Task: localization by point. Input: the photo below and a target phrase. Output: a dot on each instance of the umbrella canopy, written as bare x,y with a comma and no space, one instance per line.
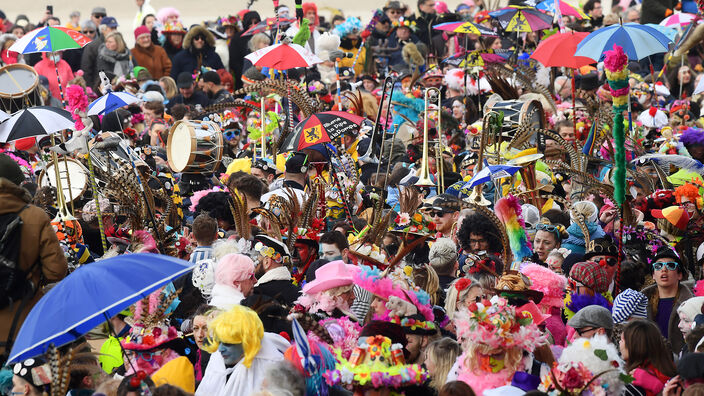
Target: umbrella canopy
490,173
522,19
3,116
35,121
89,295
669,32
320,128
638,41
677,20
49,39
466,27
266,25
111,101
558,51
283,56
566,9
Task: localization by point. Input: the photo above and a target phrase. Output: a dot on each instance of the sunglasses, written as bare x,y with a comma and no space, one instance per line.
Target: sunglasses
99,15
230,134
671,266
436,213
199,37
89,32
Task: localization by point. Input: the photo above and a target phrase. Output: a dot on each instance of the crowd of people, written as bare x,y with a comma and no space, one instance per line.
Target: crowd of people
461,230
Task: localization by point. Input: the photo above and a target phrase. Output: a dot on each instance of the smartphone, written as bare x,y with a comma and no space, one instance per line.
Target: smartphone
50,9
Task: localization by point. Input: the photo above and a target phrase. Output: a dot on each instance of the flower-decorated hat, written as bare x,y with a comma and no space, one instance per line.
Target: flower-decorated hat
376,363
149,323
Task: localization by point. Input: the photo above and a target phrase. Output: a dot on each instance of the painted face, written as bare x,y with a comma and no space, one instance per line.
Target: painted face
493,362
231,353
330,252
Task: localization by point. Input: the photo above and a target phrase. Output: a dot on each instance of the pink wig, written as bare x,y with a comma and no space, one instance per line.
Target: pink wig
550,283
233,268
164,13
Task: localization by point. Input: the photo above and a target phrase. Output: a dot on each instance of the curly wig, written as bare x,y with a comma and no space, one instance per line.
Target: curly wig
476,223
240,325
217,205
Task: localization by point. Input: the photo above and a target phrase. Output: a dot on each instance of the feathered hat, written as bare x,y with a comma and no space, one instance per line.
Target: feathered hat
149,323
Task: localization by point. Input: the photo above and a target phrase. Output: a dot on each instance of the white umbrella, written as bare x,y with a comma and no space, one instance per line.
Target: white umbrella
35,121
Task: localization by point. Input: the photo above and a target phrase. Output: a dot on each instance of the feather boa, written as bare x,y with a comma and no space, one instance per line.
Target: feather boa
615,64
483,381
575,302
407,106
77,103
200,194
146,240
509,212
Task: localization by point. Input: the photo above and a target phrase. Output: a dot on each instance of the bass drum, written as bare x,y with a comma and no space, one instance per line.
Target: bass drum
19,88
74,187
515,112
194,147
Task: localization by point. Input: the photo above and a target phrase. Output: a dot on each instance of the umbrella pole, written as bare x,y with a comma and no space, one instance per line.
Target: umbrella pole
98,212
63,140
574,108
290,104
337,78
678,72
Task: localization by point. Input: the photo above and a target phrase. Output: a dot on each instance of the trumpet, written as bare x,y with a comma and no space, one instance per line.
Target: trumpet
491,126
386,93
431,95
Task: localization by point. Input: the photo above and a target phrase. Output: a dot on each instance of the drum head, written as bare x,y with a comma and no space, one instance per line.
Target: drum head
78,178
17,80
180,145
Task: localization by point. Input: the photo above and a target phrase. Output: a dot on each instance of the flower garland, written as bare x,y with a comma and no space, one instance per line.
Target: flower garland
415,223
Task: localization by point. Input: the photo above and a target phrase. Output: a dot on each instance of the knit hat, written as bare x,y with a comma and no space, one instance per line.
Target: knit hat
629,303
141,30
9,169
591,275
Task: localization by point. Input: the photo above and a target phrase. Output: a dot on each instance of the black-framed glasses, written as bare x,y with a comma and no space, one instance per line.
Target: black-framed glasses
671,265
99,15
199,37
585,330
436,213
88,32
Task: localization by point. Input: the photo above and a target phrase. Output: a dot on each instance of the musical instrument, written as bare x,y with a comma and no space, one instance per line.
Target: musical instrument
76,171
19,88
106,154
386,93
490,126
194,146
516,112
527,164
431,94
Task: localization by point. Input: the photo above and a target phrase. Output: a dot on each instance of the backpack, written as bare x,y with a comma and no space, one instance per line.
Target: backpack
14,284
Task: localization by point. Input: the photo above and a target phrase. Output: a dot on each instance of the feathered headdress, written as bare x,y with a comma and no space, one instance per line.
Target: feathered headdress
150,327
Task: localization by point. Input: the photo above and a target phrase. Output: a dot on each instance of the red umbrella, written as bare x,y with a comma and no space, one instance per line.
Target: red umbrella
558,51
320,128
266,25
283,56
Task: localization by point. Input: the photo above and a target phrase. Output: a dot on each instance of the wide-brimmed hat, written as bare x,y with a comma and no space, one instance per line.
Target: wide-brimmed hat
331,275
395,5
601,247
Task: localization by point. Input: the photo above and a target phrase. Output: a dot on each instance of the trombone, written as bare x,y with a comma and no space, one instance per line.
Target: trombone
432,95
386,93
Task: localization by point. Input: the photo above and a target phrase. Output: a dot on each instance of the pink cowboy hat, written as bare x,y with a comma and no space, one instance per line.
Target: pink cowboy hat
331,275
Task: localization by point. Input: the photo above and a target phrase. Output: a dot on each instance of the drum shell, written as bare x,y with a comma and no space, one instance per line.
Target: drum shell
515,111
76,171
19,88
194,146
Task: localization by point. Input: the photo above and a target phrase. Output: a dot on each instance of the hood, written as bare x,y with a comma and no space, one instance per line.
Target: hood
249,17
12,196
196,30
6,36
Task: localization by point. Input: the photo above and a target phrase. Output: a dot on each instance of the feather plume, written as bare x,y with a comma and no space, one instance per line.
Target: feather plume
412,56
409,200
509,211
679,161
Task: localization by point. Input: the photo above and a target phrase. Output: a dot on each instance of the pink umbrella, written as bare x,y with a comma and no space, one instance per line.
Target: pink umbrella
675,20
283,56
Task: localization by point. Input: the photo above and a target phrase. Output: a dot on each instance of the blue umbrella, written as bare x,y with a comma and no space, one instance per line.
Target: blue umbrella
89,296
638,41
491,172
669,32
111,101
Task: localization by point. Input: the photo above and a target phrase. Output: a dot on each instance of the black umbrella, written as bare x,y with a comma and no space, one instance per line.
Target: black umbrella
35,121
320,128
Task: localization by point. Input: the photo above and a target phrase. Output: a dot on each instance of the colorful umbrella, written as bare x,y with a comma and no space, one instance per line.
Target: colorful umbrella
558,51
466,28
491,173
49,39
638,41
522,19
91,295
320,128
283,56
677,20
35,121
565,9
111,101
266,25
